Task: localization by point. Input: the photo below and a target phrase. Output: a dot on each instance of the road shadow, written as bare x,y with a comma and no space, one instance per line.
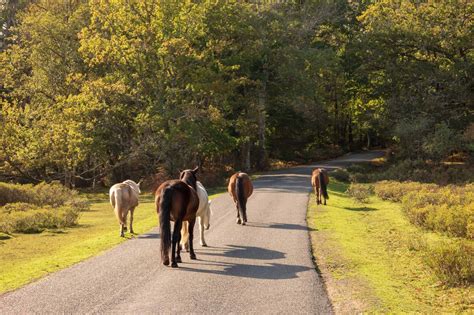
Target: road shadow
283,226
272,271
148,236
247,252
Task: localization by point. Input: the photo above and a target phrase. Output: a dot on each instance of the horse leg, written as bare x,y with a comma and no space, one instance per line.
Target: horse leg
202,241
244,214
125,215
238,212
122,233
175,244
131,220
191,236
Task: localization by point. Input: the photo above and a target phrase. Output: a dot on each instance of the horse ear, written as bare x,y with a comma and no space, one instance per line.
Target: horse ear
196,169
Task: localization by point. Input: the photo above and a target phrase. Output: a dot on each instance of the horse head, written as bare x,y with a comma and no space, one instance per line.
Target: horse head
189,176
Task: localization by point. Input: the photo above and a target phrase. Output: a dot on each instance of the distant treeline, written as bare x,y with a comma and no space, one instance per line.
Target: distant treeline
99,91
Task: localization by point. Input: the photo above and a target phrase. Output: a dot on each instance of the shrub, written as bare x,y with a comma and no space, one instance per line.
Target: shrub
38,219
31,209
394,191
418,171
340,174
445,209
359,178
53,194
452,262
359,192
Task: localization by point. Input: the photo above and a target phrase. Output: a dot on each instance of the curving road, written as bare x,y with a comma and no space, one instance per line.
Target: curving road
264,267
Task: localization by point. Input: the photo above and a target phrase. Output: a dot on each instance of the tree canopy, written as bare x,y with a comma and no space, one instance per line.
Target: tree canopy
104,90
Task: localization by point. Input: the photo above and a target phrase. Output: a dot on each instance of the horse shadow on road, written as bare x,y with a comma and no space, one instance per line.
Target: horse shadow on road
271,271
248,252
284,226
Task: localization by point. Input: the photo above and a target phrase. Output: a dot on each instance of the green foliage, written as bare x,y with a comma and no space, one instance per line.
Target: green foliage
33,219
442,142
395,191
120,89
54,195
32,209
452,262
340,174
448,209
360,192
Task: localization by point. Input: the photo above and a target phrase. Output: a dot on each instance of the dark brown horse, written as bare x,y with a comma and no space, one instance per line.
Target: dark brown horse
240,188
176,200
320,181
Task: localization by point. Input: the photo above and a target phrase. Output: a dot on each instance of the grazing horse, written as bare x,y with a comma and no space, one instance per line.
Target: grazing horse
176,201
240,188
320,181
124,199
204,211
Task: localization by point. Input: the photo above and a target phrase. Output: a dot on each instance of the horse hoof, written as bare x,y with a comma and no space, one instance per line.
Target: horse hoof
174,265
193,256
238,221
207,227
243,223
131,232
166,262
204,245
178,260
122,235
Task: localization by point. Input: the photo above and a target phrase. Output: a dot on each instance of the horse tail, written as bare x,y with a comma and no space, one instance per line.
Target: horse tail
184,233
322,185
116,201
240,192
165,225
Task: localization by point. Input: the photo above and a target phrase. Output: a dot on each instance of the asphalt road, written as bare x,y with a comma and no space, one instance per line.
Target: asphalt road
263,267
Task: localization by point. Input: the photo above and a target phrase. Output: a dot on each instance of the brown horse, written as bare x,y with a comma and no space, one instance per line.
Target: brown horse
320,181
176,201
240,188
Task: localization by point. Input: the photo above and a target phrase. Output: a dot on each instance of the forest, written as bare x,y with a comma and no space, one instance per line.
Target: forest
94,92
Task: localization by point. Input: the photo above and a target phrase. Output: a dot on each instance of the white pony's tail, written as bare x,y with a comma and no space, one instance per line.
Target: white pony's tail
184,233
116,200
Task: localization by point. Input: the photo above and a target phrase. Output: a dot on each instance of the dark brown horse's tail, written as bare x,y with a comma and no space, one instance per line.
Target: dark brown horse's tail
165,225
240,192
322,185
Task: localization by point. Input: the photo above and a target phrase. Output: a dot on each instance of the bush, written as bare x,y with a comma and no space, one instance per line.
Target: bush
418,171
452,262
35,219
394,191
32,209
42,194
340,174
359,192
445,209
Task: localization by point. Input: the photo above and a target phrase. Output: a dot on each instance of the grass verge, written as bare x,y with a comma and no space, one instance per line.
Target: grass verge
371,259
26,257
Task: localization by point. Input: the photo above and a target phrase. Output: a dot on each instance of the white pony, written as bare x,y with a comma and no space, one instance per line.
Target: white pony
124,198
203,215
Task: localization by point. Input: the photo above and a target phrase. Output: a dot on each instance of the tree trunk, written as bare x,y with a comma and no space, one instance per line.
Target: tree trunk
262,153
246,156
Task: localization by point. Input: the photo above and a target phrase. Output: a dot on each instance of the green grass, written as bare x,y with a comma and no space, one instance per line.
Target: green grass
26,257
372,253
